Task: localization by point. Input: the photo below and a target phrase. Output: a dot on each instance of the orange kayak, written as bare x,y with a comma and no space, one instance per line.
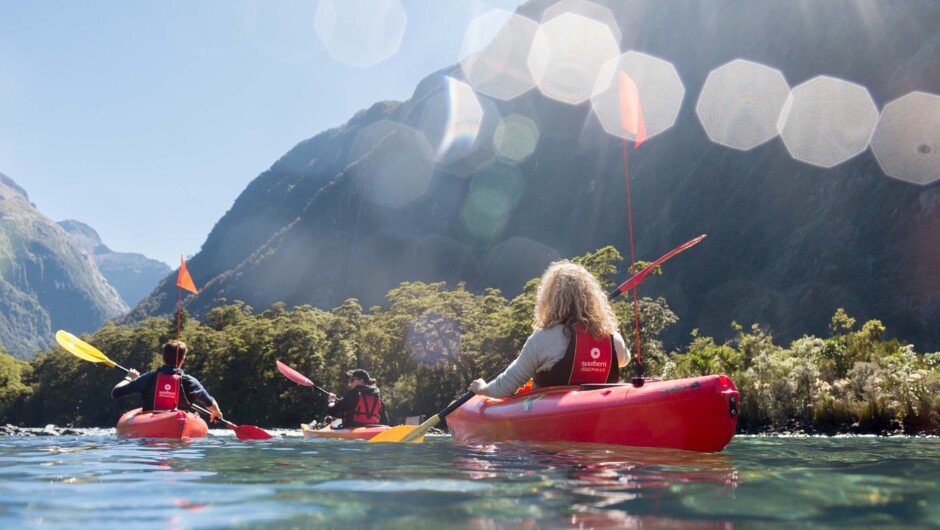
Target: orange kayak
175,424
355,433
695,414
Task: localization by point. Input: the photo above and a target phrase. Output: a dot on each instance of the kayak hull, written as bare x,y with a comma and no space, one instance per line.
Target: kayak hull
175,424
355,433
695,414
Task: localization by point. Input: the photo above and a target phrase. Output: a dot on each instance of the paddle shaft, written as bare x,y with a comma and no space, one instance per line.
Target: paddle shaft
205,411
635,280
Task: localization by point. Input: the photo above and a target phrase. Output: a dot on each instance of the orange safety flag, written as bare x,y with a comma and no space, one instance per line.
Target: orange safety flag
184,280
631,114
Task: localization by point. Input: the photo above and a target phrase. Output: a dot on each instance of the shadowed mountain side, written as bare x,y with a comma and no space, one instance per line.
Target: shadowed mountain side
133,275
788,242
47,280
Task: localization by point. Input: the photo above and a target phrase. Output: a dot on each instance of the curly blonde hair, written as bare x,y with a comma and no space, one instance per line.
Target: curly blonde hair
568,294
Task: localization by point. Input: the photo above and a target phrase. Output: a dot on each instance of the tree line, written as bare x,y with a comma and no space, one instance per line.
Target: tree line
428,342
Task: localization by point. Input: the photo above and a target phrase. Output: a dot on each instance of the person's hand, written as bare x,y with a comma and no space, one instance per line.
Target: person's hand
215,416
331,397
476,386
133,374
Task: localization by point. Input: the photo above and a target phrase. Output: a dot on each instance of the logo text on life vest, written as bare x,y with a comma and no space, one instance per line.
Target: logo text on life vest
595,353
167,392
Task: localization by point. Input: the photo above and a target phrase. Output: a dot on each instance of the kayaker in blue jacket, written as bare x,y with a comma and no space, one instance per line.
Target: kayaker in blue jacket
160,389
575,340
361,405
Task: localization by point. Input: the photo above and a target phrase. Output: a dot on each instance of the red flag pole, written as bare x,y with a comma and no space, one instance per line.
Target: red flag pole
179,306
631,120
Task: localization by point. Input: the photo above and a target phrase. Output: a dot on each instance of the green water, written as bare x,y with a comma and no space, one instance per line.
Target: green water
220,482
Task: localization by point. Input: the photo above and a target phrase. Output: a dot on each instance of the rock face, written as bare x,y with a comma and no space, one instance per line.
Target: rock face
48,281
357,209
133,275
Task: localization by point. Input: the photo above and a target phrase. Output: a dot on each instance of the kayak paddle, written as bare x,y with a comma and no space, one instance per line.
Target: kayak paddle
411,433
297,377
87,352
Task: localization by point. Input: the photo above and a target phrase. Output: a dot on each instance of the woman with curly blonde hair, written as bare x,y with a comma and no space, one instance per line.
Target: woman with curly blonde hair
575,340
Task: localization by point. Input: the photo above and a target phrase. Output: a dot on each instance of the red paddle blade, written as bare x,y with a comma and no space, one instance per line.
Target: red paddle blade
250,432
293,375
640,276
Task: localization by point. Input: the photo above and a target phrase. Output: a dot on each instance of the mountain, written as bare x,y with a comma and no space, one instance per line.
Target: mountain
357,209
48,281
133,275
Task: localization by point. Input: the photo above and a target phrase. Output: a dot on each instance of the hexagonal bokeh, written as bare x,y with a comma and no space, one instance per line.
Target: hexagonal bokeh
585,9
393,162
827,121
495,190
500,69
740,104
362,33
433,337
515,138
907,138
567,57
282,29
660,93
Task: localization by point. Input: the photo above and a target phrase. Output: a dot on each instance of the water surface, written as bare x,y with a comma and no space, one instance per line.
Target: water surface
287,482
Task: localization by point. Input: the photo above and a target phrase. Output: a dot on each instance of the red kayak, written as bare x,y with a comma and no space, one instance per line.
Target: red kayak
174,424
695,414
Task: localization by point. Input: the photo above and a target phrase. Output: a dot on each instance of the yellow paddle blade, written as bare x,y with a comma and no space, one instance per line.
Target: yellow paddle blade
398,434
407,433
81,349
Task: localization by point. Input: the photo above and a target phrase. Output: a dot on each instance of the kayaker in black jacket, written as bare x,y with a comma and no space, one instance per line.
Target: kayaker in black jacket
575,340
160,389
361,405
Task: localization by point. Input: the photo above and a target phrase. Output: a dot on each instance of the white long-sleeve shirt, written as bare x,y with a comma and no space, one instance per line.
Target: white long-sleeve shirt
542,350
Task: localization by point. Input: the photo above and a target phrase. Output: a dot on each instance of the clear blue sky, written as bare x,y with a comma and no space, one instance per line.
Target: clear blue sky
146,118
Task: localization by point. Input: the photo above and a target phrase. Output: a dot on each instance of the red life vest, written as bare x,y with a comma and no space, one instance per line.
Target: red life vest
587,360
367,410
166,394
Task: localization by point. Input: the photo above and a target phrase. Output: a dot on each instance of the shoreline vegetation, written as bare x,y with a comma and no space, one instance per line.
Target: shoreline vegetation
430,340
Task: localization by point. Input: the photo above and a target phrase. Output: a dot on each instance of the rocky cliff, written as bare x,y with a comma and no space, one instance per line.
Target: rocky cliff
48,281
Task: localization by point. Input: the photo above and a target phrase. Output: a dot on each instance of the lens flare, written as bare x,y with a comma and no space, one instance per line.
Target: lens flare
433,337
494,191
907,138
516,137
740,104
660,93
282,29
567,56
361,33
499,69
827,121
392,162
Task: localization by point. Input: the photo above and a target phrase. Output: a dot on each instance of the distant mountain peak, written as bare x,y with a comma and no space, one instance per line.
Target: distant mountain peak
8,188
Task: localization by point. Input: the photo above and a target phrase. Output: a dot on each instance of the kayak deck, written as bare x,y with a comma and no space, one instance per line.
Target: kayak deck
697,414
354,433
175,424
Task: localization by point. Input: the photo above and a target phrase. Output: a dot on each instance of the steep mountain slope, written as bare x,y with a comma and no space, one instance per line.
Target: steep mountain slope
47,280
788,243
133,275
